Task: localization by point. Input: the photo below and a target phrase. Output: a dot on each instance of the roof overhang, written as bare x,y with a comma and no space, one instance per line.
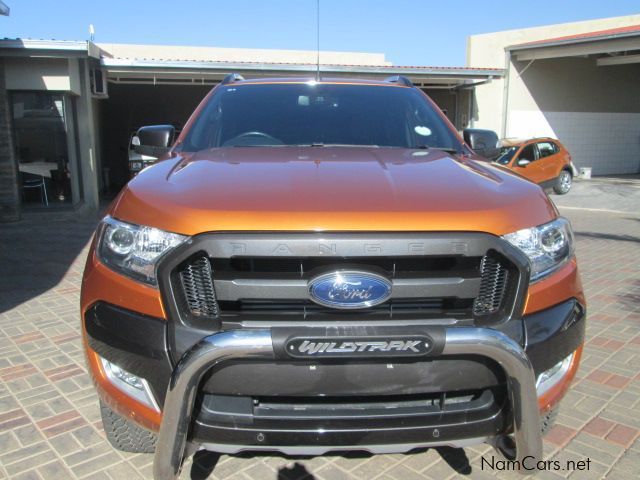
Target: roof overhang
209,72
47,48
614,43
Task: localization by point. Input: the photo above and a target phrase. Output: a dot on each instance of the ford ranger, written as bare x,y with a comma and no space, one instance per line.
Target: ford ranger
320,266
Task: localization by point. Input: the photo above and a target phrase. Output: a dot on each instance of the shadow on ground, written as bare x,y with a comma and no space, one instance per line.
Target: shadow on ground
204,462
37,252
608,236
631,299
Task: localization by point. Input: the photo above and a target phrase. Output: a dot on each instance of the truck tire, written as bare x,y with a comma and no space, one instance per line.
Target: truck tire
563,183
125,435
547,420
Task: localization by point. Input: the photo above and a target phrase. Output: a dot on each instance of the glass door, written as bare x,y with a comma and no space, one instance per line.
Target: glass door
39,124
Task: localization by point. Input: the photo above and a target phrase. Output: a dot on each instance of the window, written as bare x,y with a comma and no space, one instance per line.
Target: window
547,149
528,153
506,155
40,131
278,115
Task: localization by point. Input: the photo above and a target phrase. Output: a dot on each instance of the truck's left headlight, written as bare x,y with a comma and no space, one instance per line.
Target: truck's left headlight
134,250
548,246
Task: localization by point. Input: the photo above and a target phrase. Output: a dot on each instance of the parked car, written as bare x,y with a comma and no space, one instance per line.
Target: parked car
544,161
322,266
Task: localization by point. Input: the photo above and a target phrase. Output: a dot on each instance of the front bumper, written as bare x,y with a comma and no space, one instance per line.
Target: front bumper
216,350
547,337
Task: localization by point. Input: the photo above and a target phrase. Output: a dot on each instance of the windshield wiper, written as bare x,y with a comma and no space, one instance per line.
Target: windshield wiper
320,144
256,145
444,149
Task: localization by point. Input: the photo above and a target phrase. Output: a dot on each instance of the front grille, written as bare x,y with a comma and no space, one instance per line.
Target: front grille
479,285
492,286
399,309
197,287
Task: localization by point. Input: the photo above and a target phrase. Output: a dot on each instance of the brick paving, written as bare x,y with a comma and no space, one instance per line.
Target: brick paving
49,419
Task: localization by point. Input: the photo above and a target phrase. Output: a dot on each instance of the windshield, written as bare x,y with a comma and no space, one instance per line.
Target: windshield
307,114
506,155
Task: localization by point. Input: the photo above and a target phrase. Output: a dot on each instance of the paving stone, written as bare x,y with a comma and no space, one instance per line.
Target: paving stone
28,435
29,475
333,472
65,444
55,471
623,435
8,442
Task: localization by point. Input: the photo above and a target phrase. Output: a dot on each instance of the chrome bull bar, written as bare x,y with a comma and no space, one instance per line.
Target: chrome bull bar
219,348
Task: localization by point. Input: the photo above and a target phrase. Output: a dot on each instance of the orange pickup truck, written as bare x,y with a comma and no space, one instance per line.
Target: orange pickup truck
325,265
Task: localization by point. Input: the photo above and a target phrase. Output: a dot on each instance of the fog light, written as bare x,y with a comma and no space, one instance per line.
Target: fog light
553,376
130,384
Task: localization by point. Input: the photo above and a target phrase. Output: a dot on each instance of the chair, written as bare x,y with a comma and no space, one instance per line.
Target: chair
36,181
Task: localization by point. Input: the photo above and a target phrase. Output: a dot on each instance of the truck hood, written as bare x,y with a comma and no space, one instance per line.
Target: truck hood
330,189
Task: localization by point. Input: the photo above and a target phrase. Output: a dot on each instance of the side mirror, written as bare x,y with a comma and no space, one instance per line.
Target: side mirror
483,142
523,162
155,140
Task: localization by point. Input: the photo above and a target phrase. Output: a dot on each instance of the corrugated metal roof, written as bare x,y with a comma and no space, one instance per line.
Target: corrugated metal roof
43,44
212,64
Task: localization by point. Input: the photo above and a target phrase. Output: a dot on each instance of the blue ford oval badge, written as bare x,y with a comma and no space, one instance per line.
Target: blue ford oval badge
347,289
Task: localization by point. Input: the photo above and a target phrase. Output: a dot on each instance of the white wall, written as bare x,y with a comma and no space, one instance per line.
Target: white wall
592,110
607,142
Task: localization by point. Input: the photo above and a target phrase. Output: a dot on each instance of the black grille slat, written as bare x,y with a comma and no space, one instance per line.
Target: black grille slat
492,286
401,267
197,286
307,310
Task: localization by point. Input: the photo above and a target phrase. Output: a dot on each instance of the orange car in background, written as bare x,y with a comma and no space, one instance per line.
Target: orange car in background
544,161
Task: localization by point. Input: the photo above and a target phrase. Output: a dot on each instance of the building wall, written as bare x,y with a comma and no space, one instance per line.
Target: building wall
61,75
592,110
488,50
55,74
9,199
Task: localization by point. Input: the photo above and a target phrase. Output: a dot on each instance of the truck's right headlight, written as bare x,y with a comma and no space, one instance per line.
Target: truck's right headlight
134,250
548,246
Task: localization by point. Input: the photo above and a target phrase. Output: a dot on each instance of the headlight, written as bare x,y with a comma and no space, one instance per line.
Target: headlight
134,250
547,246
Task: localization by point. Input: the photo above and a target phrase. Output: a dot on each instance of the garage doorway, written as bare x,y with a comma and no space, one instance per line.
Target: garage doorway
132,106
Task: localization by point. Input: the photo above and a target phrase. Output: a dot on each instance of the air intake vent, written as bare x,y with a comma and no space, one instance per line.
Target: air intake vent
197,285
492,286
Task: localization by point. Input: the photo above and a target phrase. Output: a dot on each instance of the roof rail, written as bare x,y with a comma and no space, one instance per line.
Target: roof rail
232,77
399,79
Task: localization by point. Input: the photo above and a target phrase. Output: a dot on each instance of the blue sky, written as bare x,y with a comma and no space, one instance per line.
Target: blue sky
409,32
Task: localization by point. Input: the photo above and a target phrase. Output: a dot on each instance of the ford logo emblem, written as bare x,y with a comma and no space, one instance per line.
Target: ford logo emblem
348,289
